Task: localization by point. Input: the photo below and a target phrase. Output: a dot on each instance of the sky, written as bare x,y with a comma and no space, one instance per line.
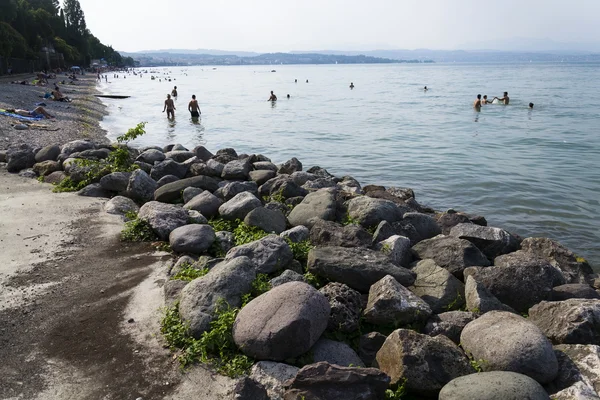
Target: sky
286,25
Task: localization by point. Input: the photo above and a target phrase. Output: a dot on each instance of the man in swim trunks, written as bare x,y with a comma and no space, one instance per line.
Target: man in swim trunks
504,99
477,103
485,100
169,106
193,107
272,97
174,92
37,112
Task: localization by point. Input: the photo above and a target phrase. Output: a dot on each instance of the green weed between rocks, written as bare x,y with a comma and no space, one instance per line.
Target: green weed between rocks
397,393
137,230
300,249
454,305
276,197
313,280
220,224
119,160
244,234
216,346
189,273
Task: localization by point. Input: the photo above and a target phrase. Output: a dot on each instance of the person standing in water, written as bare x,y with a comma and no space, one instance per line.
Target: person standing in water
485,100
351,85
272,97
425,89
193,107
174,92
477,103
504,99
169,106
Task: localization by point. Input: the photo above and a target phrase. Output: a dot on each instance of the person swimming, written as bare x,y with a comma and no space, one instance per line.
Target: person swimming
425,89
272,97
351,85
530,105
288,96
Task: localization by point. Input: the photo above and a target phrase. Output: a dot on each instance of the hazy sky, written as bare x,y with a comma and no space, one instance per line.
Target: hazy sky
284,25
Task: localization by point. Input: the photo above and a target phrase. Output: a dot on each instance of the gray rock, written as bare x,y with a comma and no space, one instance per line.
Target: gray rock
519,287
19,157
194,217
575,269
449,324
166,179
172,290
574,291
282,185
116,181
425,225
384,231
46,167
272,376
236,170
479,300
356,267
397,249
301,177
202,153
579,391
290,166
194,238
28,173
496,385
518,346
282,323
94,190
522,259
268,254
179,155
239,206
2,156
451,218
183,261
320,183
324,381
196,169
171,192
163,218
190,192
265,166
261,176
297,234
55,177
225,240
317,205
76,146
214,168
98,154
368,346
391,304
227,282
337,353
287,276
427,363
144,166
268,220
438,287
370,212
230,189
206,203
573,321
577,364
151,156
350,185
140,186
168,167
451,253
329,233
346,307
225,155
121,205
321,172
48,153
248,389
491,241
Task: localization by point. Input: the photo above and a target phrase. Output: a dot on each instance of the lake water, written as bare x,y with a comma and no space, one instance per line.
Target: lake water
533,172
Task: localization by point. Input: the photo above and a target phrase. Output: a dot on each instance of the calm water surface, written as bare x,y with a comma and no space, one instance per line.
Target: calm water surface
533,172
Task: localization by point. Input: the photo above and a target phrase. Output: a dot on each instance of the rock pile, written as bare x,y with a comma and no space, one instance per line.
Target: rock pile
437,303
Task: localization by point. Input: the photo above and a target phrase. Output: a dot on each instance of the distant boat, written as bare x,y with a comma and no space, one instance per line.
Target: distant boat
273,70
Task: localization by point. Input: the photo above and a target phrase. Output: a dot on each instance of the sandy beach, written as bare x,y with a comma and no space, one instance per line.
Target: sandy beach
79,119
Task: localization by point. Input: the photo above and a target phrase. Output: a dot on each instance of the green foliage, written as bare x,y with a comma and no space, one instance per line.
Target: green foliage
41,178
12,43
300,249
454,305
477,364
348,220
137,230
67,185
162,246
260,285
398,392
276,197
133,133
189,273
314,280
220,224
244,234
215,249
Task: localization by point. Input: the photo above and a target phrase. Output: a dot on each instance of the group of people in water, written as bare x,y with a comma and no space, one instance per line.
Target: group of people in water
193,106
480,101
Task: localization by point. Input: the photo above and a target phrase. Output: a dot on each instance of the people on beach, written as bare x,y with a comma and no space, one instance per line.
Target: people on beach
272,97
169,106
58,96
193,107
351,85
477,103
37,112
174,92
504,99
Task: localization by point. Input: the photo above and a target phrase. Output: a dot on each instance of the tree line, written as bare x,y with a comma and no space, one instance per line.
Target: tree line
27,26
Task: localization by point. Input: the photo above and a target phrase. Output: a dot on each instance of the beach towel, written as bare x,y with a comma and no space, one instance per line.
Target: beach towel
22,118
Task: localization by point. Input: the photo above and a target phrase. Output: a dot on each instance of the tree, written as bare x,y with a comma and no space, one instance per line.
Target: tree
12,43
74,16
8,10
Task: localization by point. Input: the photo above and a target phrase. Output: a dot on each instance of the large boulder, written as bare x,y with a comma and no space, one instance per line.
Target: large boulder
451,218
261,176
424,363
356,267
518,346
223,286
329,233
491,241
579,391
236,170
324,381
391,304
179,156
268,220
214,168
167,179
228,190
163,218
297,234
574,269
438,287
370,212
265,166
239,206
268,254
573,321
47,167
577,363
19,157
190,192
346,307
317,205
273,376
248,389
287,276
116,181
140,186
368,346
495,385
121,205
205,203
171,192
449,324
168,167
290,166
425,225
151,156
574,291
202,153
93,190
397,248
48,153
193,238
282,323
479,300
337,353
76,146
451,253
282,185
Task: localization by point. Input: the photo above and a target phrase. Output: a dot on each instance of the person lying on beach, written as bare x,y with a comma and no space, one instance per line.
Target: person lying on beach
504,99
35,113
